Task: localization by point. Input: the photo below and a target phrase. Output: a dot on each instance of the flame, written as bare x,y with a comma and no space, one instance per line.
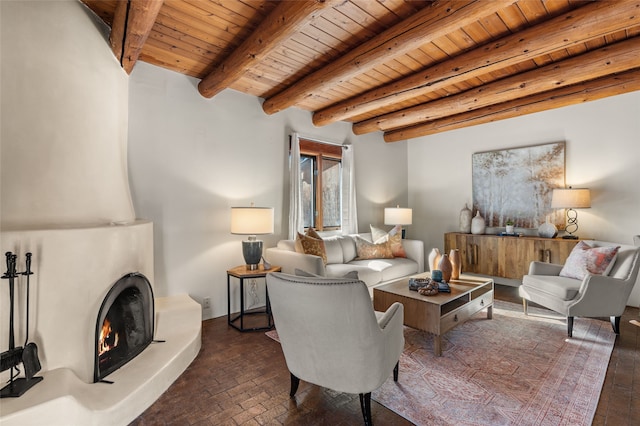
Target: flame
106,342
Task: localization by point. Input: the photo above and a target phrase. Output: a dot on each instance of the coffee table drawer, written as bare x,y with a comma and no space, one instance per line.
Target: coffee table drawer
463,313
481,302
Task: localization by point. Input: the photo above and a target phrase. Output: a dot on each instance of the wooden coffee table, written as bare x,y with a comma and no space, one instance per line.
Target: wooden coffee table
442,312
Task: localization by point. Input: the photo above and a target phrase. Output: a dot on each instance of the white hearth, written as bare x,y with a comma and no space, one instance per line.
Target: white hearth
63,399
74,268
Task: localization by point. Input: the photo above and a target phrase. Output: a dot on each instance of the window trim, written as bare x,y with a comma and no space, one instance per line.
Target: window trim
320,150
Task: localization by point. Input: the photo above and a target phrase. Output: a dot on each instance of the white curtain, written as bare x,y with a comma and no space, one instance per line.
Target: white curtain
296,220
349,209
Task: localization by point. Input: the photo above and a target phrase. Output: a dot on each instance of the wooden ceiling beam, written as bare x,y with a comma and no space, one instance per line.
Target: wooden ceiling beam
615,58
586,23
603,87
132,24
285,20
434,21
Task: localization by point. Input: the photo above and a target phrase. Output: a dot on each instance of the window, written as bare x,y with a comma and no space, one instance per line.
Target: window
320,168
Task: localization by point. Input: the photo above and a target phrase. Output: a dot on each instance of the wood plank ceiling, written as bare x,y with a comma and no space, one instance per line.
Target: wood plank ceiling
409,68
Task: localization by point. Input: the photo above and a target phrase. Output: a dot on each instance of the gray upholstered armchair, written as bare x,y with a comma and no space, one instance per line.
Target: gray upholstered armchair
332,337
603,295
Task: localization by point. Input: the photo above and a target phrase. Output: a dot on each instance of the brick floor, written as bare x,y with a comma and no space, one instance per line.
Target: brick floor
242,379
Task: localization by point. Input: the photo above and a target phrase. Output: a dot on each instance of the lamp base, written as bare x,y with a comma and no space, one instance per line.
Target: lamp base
252,252
569,237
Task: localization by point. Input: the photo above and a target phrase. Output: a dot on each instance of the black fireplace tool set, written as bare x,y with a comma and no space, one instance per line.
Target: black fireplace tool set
27,355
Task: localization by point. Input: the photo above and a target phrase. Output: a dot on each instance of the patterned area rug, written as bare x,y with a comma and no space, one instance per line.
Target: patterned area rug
511,370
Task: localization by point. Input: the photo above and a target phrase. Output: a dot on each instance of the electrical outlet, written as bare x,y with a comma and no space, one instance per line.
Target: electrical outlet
206,303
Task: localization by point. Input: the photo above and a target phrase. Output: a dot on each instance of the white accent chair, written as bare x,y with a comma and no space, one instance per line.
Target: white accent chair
332,337
594,296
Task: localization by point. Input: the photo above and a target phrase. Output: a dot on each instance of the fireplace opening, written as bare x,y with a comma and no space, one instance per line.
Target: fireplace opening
125,324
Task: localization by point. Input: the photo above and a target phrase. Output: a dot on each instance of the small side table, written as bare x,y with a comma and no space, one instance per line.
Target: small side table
242,273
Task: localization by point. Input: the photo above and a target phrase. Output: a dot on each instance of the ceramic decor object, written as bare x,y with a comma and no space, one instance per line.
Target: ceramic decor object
465,220
434,258
547,230
456,263
445,266
478,225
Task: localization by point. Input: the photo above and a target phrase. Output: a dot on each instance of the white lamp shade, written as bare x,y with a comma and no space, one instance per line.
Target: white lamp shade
251,220
571,198
398,216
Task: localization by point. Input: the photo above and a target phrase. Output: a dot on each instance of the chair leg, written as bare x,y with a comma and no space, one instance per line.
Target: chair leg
395,371
294,385
524,306
615,323
570,326
365,405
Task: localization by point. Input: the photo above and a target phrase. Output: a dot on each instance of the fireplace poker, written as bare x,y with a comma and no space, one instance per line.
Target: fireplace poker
30,353
13,356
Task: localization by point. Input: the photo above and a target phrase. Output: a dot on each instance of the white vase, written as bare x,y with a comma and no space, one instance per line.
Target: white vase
434,258
509,229
478,225
547,230
465,220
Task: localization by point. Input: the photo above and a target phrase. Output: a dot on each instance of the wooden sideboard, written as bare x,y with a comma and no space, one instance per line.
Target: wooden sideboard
506,257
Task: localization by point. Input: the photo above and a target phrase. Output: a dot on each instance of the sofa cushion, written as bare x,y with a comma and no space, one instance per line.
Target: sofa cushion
367,250
366,235
333,250
368,275
289,245
401,267
585,259
348,244
560,287
387,269
394,237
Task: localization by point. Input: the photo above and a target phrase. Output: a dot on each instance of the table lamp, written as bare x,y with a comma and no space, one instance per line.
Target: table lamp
252,221
571,198
398,216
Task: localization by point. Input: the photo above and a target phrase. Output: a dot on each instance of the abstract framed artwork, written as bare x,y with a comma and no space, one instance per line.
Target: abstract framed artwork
516,184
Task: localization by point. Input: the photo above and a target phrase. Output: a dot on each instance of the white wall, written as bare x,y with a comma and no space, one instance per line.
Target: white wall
64,118
192,158
602,153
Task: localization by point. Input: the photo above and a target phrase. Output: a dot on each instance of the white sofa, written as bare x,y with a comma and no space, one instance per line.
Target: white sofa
341,259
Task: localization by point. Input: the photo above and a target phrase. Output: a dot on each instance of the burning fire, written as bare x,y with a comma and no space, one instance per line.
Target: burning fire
108,340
